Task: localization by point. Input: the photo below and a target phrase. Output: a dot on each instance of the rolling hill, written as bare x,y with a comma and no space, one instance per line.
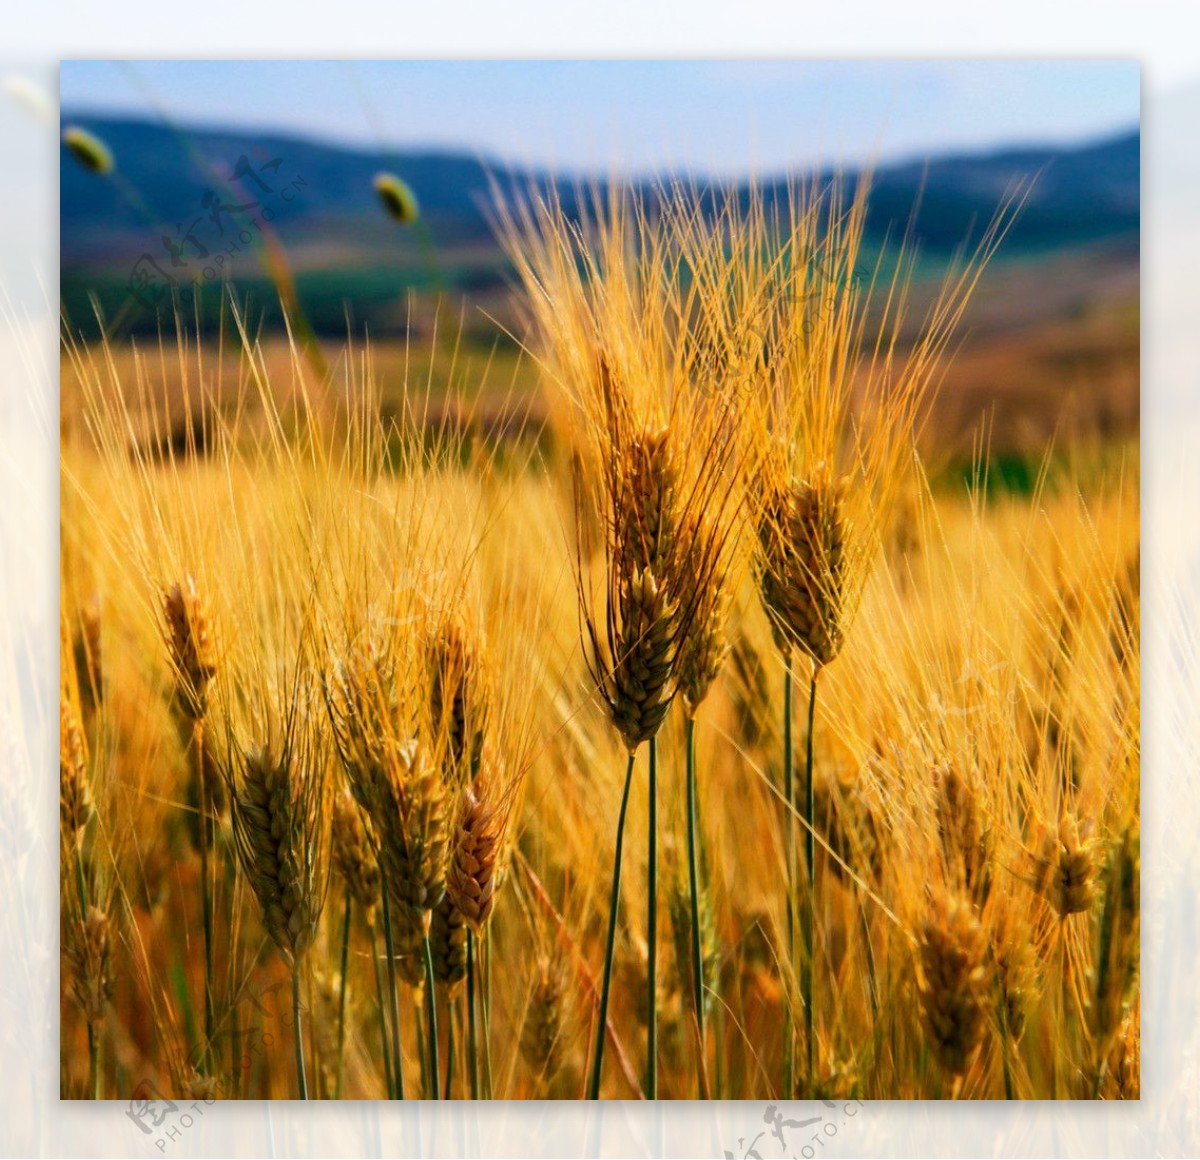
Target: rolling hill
190,205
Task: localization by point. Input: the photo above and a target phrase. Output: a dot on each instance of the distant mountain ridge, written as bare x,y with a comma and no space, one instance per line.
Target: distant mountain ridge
1081,192
171,198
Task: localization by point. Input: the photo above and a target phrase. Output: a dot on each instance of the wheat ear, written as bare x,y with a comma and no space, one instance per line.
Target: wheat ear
281,830
952,982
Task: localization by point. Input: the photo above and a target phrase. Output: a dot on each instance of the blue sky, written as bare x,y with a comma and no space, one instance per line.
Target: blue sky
718,117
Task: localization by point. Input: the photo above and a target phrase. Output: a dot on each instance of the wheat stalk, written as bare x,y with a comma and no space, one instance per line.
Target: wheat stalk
352,850
89,954
544,1031
188,631
1116,970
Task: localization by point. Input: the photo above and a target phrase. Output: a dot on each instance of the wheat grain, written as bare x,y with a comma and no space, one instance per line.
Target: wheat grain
965,836
1072,867
803,532
74,795
190,643
277,817
952,980
679,910
459,695
353,851
410,816
543,1032
474,852
448,945
89,952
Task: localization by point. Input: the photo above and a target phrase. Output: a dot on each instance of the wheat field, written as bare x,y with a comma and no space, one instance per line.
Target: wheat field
651,720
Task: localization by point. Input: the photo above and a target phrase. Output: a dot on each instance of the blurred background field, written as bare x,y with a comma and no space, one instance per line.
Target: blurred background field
1050,342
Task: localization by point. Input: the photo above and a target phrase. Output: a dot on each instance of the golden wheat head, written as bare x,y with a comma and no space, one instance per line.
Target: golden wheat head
354,851
281,827
803,565
953,982
188,631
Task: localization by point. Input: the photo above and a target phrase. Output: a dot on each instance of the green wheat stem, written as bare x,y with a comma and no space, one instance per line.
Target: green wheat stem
694,890
93,1047
383,1028
297,1036
341,1048
235,1042
205,888
872,982
789,1070
652,931
93,1062
398,1074
810,847
613,903
448,1086
81,883
1005,1042
431,1015
422,1053
472,1034
485,1014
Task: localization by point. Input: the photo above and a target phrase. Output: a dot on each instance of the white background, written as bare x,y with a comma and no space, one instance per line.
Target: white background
1163,35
